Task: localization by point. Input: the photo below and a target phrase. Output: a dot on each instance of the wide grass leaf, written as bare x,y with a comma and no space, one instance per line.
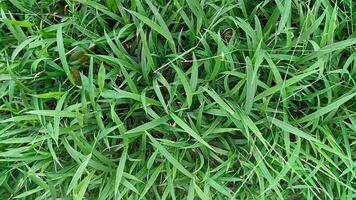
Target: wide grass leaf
291,129
160,29
78,174
149,125
189,130
62,55
169,157
322,111
184,80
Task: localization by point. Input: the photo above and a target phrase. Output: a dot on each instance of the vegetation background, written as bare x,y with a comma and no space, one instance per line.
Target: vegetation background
179,99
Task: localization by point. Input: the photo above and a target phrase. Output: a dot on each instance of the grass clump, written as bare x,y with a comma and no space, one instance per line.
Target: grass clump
214,99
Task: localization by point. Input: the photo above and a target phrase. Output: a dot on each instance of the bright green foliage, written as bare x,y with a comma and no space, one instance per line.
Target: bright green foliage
179,99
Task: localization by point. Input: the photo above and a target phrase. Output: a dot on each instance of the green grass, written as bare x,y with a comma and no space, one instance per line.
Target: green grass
180,99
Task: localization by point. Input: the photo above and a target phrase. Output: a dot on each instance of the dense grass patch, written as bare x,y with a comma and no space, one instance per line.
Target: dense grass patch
180,99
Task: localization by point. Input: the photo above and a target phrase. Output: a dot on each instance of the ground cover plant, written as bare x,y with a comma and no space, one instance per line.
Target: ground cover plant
196,99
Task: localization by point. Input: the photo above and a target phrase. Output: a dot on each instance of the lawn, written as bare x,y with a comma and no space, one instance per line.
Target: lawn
177,99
